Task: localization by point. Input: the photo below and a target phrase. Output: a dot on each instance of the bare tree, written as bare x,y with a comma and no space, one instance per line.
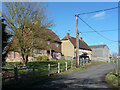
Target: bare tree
27,21
114,54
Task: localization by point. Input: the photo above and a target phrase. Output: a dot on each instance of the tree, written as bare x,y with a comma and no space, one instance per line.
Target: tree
5,37
27,21
114,54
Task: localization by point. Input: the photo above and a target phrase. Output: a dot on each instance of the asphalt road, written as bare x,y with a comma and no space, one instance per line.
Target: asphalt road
92,77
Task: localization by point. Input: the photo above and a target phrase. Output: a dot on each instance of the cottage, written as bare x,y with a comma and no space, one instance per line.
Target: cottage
52,49
68,47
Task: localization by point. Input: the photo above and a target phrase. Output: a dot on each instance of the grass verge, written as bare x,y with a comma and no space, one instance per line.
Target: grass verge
112,79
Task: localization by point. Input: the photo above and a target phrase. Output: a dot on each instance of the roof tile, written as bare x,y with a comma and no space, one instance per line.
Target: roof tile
82,44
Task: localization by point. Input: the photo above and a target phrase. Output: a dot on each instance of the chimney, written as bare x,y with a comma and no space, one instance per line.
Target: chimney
80,38
67,34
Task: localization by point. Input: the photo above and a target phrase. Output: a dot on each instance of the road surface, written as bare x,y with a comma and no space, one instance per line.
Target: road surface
92,77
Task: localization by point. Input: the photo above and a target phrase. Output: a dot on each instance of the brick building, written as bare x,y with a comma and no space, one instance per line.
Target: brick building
52,49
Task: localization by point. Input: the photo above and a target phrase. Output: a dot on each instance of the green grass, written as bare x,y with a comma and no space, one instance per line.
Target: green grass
39,63
112,79
102,62
98,62
35,63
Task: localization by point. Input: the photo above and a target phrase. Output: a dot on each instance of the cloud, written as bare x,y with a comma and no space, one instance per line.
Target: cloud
100,15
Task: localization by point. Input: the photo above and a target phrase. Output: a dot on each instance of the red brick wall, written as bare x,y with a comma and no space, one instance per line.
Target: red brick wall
16,57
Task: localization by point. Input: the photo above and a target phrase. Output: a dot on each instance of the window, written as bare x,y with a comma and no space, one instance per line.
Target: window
56,45
39,51
55,54
48,43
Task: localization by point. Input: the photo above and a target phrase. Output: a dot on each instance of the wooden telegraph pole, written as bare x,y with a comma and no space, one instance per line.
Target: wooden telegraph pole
77,42
119,45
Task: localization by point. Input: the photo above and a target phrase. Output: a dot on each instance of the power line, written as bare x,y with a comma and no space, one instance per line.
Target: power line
96,31
100,31
98,11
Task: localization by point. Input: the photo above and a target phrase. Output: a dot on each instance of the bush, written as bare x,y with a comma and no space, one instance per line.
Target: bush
111,73
111,78
39,58
42,58
45,57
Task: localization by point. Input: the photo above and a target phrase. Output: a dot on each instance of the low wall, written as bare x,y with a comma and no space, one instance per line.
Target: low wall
20,59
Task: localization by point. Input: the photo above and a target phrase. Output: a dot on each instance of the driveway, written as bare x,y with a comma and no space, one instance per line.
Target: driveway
92,77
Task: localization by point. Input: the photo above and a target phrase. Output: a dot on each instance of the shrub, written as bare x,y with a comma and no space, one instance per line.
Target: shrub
111,73
111,78
39,58
42,58
45,57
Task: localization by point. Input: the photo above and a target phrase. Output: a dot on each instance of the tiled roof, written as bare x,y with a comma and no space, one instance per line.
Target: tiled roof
53,35
49,33
110,55
82,44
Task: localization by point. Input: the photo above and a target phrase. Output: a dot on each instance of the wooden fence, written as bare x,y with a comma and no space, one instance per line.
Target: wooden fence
51,69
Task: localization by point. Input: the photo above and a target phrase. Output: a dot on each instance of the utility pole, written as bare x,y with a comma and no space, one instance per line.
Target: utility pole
119,45
118,68
77,42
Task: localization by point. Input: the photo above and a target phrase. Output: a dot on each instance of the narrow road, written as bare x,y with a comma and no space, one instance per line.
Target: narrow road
92,77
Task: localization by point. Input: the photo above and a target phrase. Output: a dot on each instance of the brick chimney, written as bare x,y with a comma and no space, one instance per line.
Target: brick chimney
67,34
80,38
